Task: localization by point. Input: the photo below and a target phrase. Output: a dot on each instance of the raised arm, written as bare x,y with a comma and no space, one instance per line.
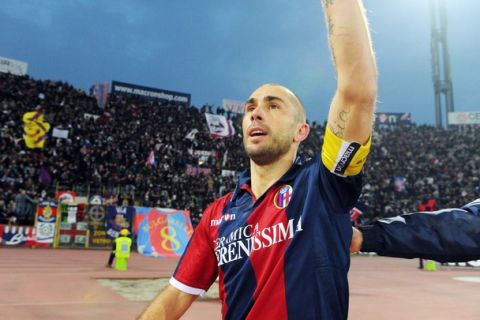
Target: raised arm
351,112
171,303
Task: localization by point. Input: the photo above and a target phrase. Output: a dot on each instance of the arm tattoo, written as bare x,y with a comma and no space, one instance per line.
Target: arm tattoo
330,25
334,56
328,3
338,126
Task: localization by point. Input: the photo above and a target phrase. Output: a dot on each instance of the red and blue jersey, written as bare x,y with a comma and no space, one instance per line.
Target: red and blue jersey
284,255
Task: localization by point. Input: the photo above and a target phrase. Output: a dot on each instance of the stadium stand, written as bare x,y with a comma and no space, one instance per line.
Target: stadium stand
106,153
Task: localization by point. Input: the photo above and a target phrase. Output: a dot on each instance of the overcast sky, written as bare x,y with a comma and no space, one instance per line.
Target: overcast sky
225,49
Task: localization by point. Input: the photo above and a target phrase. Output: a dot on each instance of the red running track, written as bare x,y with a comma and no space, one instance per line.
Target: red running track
61,284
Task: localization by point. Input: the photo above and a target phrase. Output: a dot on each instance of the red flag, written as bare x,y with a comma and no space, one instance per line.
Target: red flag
355,213
151,159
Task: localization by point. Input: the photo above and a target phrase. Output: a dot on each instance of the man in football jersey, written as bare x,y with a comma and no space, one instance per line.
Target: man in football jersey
279,243
448,235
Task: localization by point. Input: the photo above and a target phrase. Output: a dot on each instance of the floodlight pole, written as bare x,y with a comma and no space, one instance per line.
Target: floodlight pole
442,81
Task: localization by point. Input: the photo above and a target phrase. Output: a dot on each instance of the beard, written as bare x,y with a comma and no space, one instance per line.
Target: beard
269,153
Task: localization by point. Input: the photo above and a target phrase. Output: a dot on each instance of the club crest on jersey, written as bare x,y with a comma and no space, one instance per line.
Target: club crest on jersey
283,196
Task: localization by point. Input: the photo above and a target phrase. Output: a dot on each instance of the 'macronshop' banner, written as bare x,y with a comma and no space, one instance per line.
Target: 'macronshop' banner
151,93
162,232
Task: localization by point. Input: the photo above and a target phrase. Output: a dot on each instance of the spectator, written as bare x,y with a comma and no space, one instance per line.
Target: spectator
23,208
107,151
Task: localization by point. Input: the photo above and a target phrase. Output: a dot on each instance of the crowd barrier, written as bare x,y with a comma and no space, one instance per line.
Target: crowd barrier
157,232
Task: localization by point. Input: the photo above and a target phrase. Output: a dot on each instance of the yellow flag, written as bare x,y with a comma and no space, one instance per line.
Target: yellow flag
35,128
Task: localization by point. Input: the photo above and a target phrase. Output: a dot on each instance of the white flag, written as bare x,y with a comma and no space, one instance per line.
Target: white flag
219,126
225,158
191,135
60,133
233,105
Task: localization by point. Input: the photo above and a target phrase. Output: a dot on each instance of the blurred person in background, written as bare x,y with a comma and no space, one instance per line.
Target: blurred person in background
23,208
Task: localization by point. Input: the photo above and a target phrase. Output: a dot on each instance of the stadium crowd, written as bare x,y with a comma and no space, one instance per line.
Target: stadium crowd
106,153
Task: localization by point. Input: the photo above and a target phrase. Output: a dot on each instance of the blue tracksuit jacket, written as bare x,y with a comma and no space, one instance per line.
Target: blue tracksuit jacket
449,235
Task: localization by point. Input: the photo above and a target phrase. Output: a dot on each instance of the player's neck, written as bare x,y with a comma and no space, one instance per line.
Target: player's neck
264,176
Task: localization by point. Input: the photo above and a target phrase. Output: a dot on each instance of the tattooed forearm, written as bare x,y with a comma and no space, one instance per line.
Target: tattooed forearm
334,57
338,126
330,25
328,3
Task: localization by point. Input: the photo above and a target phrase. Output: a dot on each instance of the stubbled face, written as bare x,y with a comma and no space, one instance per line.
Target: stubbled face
269,124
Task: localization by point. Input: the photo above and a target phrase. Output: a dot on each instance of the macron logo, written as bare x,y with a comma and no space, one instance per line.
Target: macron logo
346,158
225,217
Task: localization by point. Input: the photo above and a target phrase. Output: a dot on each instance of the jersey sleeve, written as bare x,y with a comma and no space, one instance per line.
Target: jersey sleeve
449,235
341,157
197,269
340,172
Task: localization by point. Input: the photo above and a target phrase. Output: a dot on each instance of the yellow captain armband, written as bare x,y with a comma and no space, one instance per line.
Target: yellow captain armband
341,157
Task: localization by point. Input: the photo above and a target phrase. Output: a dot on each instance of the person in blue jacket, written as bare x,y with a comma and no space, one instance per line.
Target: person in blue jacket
448,235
